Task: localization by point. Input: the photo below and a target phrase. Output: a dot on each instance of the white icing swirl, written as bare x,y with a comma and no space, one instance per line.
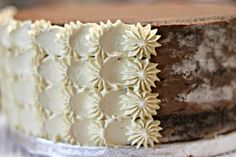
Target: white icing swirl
85,104
55,99
6,62
50,38
20,37
57,127
112,37
25,63
76,73
94,109
26,91
7,23
144,132
111,70
78,34
97,80
140,104
93,39
140,74
116,132
39,26
141,41
97,133
108,37
80,133
4,35
53,70
108,73
109,103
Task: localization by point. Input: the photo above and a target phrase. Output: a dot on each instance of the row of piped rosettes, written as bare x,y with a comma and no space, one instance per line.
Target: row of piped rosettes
20,87
88,84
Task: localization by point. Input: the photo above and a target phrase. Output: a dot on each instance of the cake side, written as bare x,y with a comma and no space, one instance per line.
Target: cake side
197,79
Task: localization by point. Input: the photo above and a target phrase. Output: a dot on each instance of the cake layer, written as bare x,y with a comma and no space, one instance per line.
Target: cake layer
197,60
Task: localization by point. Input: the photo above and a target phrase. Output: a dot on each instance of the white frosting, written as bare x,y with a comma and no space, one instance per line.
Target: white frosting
80,133
31,120
25,91
4,35
107,38
97,81
6,63
20,36
108,74
49,40
55,98
141,41
116,132
78,37
84,84
97,132
144,132
140,74
112,37
109,103
95,111
139,104
57,127
53,70
76,73
11,110
24,64
112,68
82,102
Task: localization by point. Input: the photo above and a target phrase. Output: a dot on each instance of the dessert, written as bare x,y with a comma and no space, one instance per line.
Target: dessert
159,75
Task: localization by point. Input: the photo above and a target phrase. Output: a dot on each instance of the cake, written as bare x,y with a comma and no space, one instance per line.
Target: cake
118,76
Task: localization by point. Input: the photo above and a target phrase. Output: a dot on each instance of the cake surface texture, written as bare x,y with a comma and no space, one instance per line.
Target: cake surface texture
119,75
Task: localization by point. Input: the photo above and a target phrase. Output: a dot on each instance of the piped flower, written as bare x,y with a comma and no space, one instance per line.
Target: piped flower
77,36
97,133
94,109
141,41
108,38
140,74
93,38
140,104
97,80
144,132
20,36
50,38
53,70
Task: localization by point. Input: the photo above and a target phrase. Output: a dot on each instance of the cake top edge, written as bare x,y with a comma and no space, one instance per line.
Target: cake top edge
160,14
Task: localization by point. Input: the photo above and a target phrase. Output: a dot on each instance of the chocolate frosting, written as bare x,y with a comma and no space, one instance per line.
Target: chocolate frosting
198,61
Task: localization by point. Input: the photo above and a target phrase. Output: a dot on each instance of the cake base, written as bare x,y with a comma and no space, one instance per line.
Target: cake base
12,142
208,147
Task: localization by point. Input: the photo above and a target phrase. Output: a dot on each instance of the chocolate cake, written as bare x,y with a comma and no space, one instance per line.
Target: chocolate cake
189,86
